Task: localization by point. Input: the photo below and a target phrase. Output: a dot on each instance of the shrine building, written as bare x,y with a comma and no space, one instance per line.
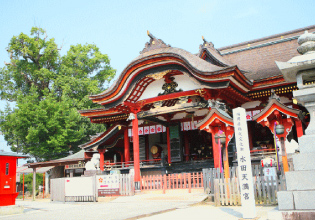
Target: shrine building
169,106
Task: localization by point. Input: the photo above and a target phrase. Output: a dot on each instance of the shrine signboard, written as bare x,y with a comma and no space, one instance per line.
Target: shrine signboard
244,163
107,185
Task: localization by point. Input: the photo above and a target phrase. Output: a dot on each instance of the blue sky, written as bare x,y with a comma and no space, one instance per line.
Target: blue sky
119,28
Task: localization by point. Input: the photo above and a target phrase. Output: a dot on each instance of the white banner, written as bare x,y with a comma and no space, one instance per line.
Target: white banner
244,163
159,129
79,186
146,130
140,130
152,129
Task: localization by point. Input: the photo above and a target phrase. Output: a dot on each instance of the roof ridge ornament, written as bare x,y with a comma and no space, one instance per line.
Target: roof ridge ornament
153,44
207,44
216,104
274,95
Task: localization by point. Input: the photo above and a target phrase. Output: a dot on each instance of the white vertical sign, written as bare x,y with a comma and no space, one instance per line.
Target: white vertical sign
244,163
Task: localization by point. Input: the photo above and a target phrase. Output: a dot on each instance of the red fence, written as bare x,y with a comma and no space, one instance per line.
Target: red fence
172,181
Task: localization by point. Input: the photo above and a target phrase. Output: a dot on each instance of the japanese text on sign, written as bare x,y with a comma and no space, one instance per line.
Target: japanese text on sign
244,163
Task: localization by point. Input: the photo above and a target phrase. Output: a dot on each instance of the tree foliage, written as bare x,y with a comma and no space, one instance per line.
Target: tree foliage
48,89
28,181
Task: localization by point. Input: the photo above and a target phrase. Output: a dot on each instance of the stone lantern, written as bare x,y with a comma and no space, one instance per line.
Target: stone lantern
300,192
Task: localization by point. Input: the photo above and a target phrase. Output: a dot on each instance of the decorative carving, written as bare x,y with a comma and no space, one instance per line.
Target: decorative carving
170,87
154,44
158,104
216,104
159,75
183,100
131,117
203,93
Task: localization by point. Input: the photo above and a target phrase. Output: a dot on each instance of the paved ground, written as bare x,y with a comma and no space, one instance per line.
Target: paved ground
143,206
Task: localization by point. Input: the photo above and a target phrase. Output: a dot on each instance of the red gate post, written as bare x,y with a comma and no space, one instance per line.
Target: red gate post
165,184
43,185
189,182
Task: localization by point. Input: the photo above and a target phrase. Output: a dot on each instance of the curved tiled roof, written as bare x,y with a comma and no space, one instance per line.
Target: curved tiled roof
258,56
200,65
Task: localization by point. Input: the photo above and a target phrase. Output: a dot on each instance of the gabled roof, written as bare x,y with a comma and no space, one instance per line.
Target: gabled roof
12,154
71,159
215,113
103,137
273,105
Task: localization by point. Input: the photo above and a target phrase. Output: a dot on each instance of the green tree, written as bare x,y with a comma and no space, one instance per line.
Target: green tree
28,181
48,89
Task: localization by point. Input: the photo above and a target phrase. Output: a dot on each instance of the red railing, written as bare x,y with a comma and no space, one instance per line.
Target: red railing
172,181
130,163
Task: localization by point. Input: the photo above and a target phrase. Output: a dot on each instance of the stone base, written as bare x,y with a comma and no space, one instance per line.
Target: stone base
304,161
300,180
285,200
306,143
296,200
11,210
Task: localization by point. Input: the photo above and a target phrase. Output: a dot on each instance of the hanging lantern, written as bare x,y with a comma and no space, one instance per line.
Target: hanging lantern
222,138
279,129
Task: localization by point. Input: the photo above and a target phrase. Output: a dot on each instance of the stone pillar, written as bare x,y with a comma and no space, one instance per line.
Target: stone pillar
47,183
34,183
136,156
300,192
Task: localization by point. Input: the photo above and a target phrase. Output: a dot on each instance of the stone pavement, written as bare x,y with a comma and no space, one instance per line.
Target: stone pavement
179,205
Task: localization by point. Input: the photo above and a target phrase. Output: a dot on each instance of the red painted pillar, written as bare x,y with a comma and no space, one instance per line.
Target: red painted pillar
43,185
101,152
299,128
216,151
186,146
136,155
127,147
168,145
